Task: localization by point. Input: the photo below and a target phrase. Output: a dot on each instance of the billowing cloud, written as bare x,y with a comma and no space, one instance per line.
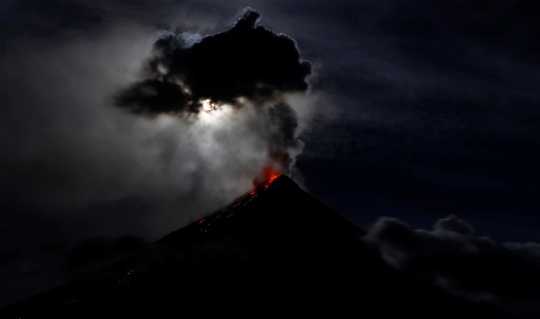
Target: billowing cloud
451,257
246,61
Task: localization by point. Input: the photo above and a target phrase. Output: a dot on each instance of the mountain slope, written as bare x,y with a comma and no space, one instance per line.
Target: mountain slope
275,251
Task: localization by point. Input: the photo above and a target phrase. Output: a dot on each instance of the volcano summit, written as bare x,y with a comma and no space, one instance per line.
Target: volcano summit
274,251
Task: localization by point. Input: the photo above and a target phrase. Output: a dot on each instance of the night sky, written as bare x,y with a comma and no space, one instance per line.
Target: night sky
412,110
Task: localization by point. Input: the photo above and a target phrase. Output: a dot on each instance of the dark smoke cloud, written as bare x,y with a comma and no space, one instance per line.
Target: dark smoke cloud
245,65
246,61
451,257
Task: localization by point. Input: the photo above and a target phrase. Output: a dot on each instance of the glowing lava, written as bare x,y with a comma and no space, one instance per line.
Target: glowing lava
265,178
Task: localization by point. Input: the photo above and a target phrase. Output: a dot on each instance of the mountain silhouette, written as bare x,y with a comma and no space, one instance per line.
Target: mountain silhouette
274,251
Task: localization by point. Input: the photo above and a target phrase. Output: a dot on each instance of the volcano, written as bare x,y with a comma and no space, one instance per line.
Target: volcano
275,251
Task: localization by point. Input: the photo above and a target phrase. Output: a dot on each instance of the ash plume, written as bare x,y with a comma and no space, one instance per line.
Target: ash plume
247,61
282,139
245,66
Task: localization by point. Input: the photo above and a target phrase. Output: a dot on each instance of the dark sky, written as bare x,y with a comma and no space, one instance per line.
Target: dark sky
417,110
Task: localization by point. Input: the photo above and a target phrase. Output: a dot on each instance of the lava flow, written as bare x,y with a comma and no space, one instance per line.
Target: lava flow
267,175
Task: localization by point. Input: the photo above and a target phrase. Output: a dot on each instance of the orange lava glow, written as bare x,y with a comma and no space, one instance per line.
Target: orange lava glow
265,178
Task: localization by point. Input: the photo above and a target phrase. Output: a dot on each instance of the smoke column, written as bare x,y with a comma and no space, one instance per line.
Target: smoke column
247,68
